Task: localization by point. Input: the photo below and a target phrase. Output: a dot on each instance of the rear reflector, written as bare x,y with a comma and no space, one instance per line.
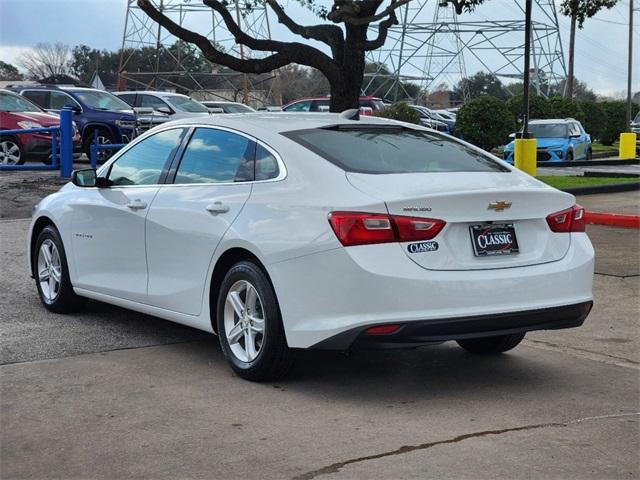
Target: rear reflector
359,228
383,329
569,220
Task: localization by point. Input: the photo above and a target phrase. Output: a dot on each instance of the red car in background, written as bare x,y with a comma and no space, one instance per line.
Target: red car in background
17,113
321,104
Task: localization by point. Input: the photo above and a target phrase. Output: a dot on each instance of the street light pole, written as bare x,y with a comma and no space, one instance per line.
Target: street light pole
630,66
524,151
527,66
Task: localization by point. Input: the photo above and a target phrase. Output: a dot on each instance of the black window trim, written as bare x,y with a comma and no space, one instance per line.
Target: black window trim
293,135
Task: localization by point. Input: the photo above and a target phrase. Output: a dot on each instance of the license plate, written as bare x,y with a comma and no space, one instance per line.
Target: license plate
494,239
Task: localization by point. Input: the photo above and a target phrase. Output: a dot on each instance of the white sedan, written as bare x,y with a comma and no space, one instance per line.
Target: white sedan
282,231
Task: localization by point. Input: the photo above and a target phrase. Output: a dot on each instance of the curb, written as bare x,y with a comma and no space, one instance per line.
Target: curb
590,163
604,154
612,219
611,188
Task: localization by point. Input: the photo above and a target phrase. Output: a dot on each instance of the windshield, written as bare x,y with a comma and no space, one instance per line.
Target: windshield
101,100
185,104
389,149
16,103
548,130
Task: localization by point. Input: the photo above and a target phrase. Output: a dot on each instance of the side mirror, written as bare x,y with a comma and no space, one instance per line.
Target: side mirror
86,177
575,135
143,110
165,110
75,108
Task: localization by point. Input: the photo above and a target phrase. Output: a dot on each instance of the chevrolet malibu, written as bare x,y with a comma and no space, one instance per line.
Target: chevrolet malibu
285,231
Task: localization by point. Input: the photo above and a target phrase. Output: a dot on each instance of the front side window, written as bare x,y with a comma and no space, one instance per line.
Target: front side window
59,100
150,101
381,149
130,98
574,129
144,162
39,97
299,107
216,156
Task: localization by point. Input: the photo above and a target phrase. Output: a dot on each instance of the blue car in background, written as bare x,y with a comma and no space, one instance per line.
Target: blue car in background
557,140
94,111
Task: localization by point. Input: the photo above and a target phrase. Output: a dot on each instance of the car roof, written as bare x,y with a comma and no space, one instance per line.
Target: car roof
226,102
554,120
152,92
277,122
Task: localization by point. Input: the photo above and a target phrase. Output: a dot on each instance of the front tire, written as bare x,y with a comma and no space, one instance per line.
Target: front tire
104,137
52,274
250,326
491,345
11,152
589,155
569,157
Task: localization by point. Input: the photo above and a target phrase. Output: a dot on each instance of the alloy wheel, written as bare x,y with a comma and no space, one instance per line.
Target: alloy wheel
244,321
9,153
49,270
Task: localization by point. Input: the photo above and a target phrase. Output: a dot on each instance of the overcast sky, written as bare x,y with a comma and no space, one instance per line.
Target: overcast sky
601,52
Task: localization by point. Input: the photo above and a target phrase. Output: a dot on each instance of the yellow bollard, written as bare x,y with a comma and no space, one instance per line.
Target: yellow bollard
524,154
627,146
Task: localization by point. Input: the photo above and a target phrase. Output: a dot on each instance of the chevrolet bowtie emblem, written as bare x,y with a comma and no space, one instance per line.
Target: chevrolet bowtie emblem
499,206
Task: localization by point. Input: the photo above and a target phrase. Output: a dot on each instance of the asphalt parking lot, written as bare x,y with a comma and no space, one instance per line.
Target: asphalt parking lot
108,393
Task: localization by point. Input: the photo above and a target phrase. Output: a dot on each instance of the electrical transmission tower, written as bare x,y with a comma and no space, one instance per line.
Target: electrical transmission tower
165,66
428,54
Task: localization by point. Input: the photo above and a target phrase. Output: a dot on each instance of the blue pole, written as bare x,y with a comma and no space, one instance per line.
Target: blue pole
94,149
54,148
66,143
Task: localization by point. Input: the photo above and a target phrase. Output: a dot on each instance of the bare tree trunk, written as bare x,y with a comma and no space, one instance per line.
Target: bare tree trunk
345,94
572,48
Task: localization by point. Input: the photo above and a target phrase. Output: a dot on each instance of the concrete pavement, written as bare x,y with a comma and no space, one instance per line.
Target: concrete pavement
108,393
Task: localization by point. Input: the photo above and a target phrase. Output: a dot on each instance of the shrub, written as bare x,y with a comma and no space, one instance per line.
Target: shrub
595,118
562,107
400,111
485,122
539,108
616,122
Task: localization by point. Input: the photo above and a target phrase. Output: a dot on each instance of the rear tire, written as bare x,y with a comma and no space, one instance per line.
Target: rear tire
491,345
52,274
589,155
249,325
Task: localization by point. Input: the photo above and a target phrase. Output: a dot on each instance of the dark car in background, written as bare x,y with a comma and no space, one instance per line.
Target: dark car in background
18,113
94,111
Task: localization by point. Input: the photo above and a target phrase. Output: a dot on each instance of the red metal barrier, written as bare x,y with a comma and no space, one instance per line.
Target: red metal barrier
613,219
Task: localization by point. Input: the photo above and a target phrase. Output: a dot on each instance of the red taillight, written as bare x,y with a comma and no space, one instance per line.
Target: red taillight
569,220
383,329
358,228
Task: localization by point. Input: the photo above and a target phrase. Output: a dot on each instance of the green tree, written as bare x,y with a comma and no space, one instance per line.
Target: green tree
346,36
478,85
400,111
539,107
616,122
563,107
485,122
86,60
9,72
578,11
594,118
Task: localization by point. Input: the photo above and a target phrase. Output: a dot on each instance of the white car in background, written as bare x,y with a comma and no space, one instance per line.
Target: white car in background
288,230
175,105
227,107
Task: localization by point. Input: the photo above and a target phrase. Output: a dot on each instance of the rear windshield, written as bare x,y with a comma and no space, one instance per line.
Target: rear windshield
390,149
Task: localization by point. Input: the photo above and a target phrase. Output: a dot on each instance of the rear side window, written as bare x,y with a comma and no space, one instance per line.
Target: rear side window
216,156
266,164
39,97
382,149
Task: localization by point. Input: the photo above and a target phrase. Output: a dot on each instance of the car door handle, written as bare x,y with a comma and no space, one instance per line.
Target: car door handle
217,207
137,205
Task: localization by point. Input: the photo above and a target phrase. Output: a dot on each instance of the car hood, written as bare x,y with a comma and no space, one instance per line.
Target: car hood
543,142
44,119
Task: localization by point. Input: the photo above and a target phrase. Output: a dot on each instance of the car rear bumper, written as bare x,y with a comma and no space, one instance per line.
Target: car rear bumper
325,294
422,332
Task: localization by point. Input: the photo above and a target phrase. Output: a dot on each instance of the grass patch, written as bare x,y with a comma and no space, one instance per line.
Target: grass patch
598,147
563,182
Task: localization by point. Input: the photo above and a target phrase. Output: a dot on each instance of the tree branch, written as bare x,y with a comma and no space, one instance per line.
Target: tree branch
353,19
285,53
383,30
328,34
